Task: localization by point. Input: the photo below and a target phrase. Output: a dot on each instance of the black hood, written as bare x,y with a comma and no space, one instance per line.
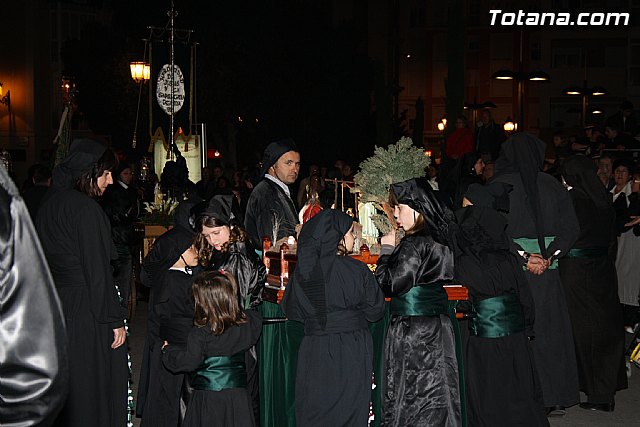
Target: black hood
523,154
166,251
83,154
580,173
317,247
419,196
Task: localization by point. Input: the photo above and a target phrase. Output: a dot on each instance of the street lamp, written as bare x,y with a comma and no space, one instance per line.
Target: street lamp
585,92
509,126
521,77
140,73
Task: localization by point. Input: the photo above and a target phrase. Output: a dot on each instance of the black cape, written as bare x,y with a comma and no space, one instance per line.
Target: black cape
76,239
540,206
502,385
590,286
34,377
335,296
269,203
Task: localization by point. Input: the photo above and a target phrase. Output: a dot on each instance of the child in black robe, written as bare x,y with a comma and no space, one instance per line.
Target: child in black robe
501,381
335,296
216,352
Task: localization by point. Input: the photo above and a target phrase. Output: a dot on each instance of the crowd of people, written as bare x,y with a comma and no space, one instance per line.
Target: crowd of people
545,245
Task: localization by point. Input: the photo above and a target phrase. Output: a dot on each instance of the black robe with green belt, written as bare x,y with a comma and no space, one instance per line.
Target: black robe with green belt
420,383
553,347
502,385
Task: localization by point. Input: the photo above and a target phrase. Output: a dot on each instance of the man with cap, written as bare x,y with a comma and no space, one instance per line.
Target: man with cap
270,209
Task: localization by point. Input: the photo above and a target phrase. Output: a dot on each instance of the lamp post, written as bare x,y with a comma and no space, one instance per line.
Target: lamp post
140,73
521,77
585,91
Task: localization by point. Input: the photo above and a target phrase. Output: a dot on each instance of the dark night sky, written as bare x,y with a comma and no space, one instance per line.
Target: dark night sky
280,61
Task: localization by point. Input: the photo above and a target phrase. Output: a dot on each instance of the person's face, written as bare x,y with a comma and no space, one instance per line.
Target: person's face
405,216
217,172
621,176
287,167
557,140
216,236
314,170
190,257
349,239
487,174
206,173
486,117
346,170
459,123
104,181
610,133
604,167
431,172
479,166
126,176
627,113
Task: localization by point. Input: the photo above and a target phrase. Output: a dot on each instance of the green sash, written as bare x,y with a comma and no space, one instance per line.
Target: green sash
427,300
588,252
220,373
531,246
497,317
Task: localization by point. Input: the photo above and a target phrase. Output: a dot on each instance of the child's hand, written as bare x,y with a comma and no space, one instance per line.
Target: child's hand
166,343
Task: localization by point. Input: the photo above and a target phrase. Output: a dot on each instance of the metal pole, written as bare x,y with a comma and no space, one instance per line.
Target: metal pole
172,14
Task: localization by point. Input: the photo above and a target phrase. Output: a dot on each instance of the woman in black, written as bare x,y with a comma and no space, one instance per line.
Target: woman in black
589,279
335,296
76,239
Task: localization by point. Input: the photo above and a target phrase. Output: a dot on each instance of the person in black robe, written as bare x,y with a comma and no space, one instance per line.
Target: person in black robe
120,203
335,296
589,279
270,208
502,385
215,354
420,384
223,245
33,196
35,373
542,226
76,239
168,270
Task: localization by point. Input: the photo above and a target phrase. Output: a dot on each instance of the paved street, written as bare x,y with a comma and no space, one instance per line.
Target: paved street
627,411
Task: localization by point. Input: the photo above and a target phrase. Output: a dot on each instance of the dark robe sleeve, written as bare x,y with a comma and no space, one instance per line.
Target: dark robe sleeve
374,297
94,247
178,359
568,226
526,298
34,373
202,344
406,266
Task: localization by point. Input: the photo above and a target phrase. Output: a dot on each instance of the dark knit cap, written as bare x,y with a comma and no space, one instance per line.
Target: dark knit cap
274,151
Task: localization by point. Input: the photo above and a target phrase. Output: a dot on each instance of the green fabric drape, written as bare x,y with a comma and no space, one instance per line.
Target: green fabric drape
531,246
221,372
378,332
498,317
278,358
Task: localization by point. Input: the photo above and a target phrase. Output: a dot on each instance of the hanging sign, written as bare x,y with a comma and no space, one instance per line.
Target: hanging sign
167,80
